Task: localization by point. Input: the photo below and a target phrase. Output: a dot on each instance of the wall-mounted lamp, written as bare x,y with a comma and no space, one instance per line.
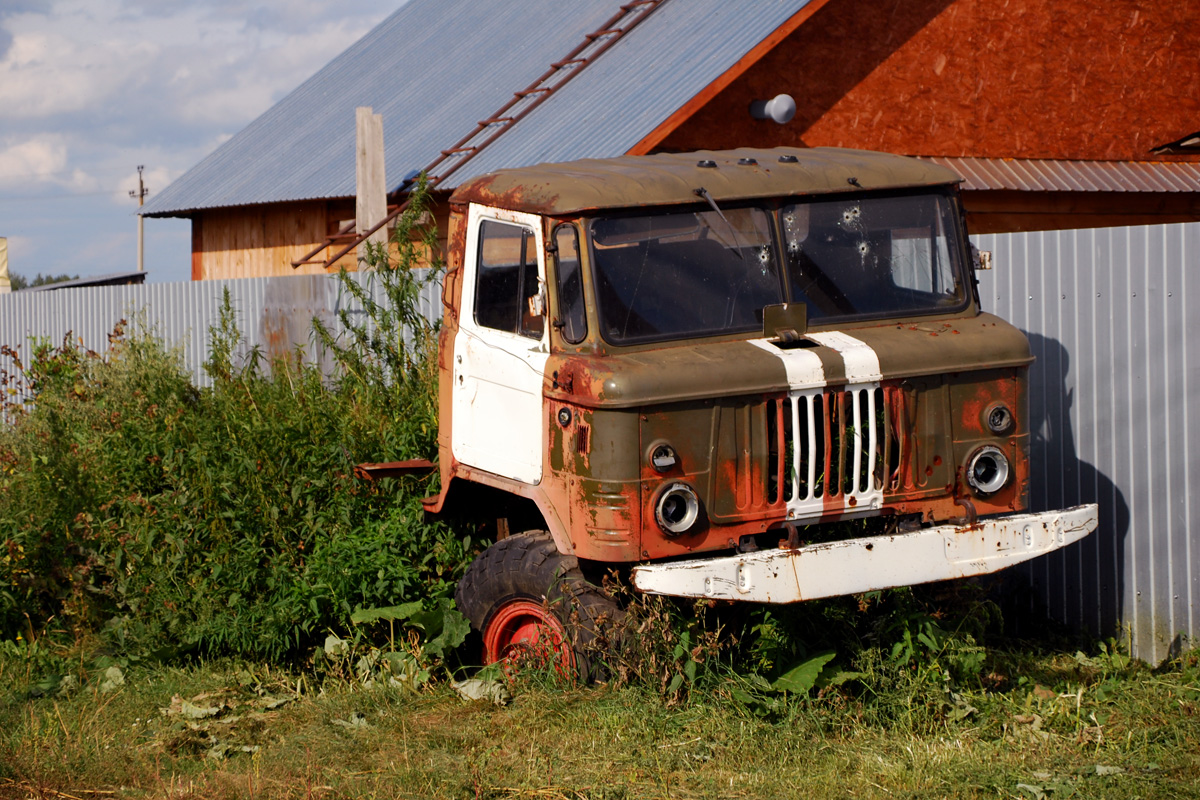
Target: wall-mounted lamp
780,108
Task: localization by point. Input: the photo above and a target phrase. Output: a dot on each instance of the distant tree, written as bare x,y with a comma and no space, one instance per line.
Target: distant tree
20,282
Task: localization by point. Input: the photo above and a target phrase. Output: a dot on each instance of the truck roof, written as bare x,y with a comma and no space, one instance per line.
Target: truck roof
673,178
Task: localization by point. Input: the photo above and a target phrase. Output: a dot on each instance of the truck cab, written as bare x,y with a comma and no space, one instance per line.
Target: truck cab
752,374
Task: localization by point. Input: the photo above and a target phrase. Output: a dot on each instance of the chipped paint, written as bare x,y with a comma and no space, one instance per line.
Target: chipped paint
858,565
852,419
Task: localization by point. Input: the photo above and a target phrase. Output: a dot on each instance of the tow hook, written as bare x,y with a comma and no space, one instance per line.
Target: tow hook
970,517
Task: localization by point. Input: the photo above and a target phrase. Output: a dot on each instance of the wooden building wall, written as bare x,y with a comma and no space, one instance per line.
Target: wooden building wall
256,241
1022,212
1013,79
262,241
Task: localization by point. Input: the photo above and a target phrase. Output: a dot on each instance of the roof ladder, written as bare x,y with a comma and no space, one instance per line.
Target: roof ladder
493,126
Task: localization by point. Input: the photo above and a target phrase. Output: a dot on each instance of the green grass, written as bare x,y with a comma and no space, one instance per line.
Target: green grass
1071,729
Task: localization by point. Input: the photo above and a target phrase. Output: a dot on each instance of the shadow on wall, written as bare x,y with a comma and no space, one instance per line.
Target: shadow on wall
1082,585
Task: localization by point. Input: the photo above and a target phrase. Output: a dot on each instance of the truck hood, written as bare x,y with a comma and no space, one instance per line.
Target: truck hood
703,370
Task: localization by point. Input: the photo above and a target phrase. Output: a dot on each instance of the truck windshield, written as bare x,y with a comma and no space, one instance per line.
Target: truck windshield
683,275
675,276
873,256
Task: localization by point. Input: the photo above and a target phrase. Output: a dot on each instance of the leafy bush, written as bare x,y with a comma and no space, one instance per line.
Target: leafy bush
225,519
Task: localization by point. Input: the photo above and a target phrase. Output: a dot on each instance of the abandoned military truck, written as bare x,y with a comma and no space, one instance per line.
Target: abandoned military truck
758,375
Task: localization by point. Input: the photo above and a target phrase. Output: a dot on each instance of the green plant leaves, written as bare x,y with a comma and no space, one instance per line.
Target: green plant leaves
226,519
803,677
400,612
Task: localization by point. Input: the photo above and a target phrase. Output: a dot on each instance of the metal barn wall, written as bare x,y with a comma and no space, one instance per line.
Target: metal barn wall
1117,342
273,314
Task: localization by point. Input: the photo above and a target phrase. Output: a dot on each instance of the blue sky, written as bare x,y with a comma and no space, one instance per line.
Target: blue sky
89,89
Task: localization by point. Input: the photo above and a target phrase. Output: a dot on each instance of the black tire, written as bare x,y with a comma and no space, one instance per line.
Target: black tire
528,567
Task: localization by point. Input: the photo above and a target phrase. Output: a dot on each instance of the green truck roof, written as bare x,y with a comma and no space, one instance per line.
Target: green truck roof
667,179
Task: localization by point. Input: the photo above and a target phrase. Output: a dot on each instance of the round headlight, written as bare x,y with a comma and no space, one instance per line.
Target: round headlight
987,471
999,418
678,509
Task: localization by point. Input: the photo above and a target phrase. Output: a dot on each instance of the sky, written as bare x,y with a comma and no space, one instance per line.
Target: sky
90,89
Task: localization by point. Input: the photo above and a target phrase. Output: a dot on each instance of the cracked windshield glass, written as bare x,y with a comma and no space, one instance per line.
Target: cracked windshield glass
881,256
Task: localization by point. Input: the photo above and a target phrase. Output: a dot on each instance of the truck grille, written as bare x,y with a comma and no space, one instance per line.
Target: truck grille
842,445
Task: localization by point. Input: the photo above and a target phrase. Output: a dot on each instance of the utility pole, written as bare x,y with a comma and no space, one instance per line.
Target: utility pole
140,194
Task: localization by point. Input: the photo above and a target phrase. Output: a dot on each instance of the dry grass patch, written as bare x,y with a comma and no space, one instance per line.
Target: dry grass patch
226,731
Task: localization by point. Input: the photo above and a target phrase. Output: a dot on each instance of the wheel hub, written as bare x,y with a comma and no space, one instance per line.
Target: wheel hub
524,631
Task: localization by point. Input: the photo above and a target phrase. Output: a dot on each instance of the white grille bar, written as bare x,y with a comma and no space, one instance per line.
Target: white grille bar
818,439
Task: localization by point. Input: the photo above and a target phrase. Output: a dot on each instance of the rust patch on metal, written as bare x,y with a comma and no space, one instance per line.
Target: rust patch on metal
394,469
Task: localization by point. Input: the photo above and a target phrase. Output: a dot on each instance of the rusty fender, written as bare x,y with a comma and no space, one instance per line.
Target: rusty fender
878,562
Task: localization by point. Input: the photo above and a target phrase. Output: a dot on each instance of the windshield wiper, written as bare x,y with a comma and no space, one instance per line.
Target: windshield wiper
737,245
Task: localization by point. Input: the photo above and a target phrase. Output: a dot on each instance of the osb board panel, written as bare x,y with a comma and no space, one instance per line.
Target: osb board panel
1015,211
990,78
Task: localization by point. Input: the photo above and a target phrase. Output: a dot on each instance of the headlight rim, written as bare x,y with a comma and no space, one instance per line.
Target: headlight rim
1003,470
692,517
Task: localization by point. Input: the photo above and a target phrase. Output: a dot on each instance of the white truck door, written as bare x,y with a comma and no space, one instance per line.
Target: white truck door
501,347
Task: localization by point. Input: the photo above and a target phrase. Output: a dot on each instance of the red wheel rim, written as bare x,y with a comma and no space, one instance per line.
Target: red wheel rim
526,631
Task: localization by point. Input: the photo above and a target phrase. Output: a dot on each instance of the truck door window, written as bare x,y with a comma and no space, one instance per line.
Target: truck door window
571,312
507,277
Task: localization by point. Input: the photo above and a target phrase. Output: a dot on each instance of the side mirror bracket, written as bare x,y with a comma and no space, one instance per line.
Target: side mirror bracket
982,259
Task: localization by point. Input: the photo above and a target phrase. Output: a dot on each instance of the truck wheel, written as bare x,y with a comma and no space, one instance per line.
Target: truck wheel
531,602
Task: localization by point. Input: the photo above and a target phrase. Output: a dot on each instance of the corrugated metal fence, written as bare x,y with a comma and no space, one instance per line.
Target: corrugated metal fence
274,314
1105,310
1117,342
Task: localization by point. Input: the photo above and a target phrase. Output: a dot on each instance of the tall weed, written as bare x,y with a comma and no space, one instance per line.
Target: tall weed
172,518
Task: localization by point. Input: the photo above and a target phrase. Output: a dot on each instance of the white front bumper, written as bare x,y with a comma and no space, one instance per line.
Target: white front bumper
851,566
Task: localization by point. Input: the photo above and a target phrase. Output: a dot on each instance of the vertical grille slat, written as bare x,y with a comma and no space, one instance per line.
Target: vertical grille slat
840,445
872,474
846,443
810,435
826,455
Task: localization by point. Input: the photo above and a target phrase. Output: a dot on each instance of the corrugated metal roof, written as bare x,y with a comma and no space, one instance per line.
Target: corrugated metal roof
1047,175
109,279
436,67
646,76
432,69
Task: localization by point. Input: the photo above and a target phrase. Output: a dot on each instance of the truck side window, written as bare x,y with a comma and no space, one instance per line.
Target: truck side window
571,312
506,278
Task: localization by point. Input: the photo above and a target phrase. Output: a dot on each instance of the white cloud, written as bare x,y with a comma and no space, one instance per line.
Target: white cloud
89,89
32,160
48,72
206,61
